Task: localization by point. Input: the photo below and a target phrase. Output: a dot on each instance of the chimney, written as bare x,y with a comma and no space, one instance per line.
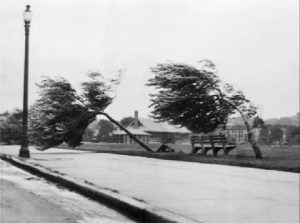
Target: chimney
136,119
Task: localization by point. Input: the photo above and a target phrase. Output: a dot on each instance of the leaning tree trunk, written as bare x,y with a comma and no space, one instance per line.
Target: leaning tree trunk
251,139
128,132
250,134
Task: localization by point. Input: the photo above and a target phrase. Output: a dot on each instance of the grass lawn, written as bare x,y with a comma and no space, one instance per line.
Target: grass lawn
284,158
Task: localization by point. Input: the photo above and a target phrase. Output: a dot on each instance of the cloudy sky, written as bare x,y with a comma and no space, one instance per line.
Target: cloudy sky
254,43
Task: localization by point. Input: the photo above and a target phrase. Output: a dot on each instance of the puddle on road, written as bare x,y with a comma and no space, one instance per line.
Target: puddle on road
88,211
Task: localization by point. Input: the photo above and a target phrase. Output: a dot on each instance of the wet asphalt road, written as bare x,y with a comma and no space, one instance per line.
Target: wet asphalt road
28,198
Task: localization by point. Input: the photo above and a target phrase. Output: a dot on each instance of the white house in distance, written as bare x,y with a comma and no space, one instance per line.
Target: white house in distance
149,131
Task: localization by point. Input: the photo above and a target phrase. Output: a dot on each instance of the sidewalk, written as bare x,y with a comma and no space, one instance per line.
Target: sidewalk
200,192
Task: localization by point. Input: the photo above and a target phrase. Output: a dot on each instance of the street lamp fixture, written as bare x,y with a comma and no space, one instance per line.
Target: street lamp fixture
24,151
27,14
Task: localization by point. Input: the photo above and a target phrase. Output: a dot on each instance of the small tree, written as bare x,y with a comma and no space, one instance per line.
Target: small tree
88,134
91,131
197,99
126,121
264,135
11,127
293,134
276,133
61,115
105,130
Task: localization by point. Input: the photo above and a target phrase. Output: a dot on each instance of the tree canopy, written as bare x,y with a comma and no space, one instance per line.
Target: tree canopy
196,98
11,126
190,97
105,130
61,115
276,134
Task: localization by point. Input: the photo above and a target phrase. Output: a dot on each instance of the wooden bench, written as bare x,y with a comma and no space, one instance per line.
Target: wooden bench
211,142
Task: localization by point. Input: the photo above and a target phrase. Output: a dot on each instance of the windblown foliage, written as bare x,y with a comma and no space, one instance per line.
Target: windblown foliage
61,115
196,98
186,97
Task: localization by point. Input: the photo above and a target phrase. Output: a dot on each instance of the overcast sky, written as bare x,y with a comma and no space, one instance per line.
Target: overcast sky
254,43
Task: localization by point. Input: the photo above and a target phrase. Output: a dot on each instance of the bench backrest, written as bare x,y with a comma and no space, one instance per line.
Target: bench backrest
208,139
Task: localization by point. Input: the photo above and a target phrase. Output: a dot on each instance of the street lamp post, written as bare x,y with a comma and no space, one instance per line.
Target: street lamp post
24,151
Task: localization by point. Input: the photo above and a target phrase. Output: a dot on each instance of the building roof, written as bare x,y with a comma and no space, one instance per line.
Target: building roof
149,125
132,130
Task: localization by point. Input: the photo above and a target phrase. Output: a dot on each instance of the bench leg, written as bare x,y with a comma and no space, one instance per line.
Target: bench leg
195,150
204,151
226,152
216,150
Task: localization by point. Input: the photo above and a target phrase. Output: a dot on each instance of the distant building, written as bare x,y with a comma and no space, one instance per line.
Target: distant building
149,131
119,136
238,133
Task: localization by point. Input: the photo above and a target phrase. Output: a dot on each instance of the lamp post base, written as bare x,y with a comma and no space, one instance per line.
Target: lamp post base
24,152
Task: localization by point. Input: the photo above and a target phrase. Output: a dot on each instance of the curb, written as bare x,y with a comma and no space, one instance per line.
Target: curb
134,209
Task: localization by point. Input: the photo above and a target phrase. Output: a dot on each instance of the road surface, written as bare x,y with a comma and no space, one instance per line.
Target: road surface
27,198
202,192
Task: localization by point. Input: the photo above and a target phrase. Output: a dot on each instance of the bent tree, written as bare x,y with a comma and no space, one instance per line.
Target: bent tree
60,114
196,98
